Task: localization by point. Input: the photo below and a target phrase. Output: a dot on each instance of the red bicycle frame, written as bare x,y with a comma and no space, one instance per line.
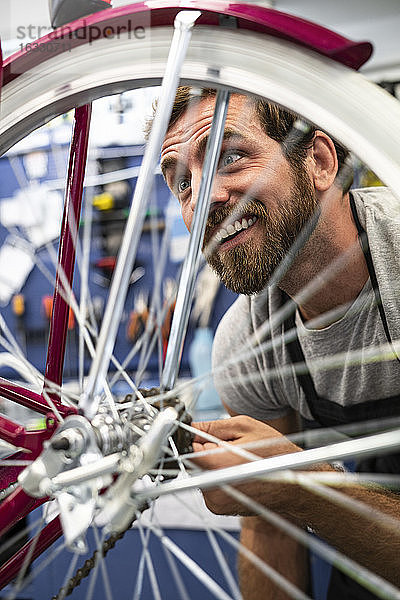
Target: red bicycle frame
19,504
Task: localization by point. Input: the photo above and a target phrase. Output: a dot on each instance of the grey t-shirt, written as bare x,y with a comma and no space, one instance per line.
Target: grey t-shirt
254,373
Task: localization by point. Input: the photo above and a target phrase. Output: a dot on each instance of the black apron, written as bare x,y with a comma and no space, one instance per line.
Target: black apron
327,413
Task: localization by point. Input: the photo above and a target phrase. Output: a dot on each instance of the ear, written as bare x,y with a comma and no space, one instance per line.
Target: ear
324,161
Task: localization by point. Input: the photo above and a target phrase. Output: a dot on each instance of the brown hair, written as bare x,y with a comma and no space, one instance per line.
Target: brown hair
282,125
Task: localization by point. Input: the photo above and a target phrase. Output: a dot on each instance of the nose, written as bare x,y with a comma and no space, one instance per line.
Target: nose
219,192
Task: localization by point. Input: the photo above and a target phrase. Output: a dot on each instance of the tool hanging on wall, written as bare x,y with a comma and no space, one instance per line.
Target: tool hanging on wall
18,308
138,317
106,265
114,195
47,306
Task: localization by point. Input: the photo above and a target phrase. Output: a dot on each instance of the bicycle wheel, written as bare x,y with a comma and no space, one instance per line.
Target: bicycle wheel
40,85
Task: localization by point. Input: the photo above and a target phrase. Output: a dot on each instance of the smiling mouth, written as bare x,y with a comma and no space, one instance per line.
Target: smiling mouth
232,230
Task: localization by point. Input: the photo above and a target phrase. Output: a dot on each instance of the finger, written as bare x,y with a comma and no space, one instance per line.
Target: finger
224,430
207,461
203,446
215,460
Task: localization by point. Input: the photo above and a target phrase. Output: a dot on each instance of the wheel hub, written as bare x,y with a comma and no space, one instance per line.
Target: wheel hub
91,468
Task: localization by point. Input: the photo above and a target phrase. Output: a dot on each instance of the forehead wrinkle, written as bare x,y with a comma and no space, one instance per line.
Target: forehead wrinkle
180,137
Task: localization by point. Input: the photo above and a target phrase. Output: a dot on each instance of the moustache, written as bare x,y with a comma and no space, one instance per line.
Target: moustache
225,215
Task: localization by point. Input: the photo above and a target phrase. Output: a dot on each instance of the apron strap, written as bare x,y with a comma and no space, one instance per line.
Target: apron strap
320,408
297,356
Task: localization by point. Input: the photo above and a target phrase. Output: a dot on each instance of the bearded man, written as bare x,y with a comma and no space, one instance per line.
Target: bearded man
342,285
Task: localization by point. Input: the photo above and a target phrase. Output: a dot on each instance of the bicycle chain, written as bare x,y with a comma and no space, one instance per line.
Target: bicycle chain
88,566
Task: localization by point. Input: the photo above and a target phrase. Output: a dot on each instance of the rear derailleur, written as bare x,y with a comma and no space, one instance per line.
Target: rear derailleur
92,469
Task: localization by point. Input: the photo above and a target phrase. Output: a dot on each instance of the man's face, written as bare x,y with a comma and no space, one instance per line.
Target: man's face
259,202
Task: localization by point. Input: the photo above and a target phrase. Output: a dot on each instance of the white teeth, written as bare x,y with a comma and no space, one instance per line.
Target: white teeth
230,229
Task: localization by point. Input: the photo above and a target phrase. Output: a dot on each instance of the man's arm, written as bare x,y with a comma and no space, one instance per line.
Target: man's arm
272,546
276,549
370,537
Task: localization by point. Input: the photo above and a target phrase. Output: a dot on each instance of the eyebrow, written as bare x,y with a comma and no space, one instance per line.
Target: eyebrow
170,163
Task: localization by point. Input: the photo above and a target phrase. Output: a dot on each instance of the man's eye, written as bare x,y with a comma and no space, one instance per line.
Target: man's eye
183,184
229,158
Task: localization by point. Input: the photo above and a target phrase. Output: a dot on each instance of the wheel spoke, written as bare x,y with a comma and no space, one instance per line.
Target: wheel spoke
191,264
149,563
183,27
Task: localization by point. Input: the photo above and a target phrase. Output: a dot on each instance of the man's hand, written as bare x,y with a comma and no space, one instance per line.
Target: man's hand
256,437
341,517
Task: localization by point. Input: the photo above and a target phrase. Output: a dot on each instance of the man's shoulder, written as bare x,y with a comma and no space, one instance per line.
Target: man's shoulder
379,212
376,203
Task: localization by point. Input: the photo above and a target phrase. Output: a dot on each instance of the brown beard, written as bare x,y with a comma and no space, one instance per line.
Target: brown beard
247,268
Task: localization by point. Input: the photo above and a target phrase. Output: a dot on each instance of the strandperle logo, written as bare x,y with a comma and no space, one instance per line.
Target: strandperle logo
86,32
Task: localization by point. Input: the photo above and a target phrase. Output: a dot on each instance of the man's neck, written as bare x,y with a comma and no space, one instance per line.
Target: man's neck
331,270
